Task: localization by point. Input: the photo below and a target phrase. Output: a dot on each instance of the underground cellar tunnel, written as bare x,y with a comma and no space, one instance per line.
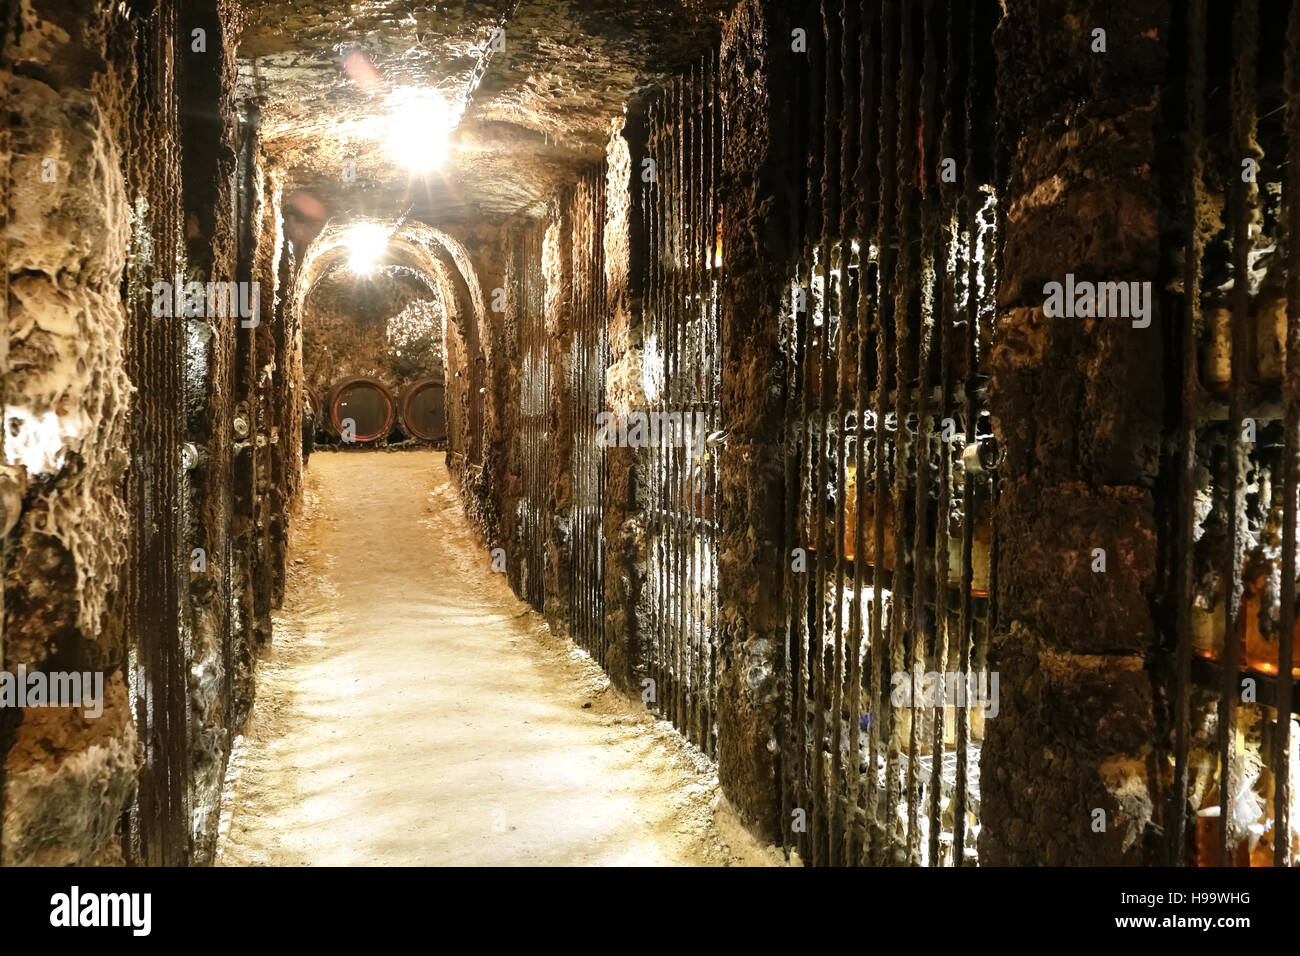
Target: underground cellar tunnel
692,433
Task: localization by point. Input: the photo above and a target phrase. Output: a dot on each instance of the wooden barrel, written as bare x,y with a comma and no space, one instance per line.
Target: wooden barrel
422,410
366,402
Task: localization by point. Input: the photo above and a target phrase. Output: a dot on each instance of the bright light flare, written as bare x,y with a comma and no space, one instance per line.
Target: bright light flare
366,243
418,131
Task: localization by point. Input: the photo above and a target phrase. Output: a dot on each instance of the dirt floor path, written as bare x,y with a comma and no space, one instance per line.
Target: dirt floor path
413,711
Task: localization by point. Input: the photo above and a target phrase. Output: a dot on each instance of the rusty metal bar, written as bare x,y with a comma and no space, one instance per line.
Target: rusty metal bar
844,762
1245,42
1290,454
541,396
601,318
820,443
590,349
718,138
793,339
709,343
1183,560
686,199
525,332
655,260
542,488
696,506
602,367
571,387
982,506
944,289
596,373
583,437
583,425
851,232
998,171
901,617
577,409
811,423
671,305
675,389
925,277
579,281
867,240
882,716
802,316
665,160
966,620
692,369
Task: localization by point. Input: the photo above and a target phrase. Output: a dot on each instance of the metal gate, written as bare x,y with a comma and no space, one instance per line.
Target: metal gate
533,517
588,361
680,212
1231,614
889,449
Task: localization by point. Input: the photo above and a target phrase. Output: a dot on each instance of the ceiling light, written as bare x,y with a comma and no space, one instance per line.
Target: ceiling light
418,130
366,243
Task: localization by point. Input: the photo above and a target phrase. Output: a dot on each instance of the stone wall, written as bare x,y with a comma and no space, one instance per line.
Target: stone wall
146,491
1078,408
70,77
757,199
208,182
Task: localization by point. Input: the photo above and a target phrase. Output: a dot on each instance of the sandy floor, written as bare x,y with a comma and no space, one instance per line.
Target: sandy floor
413,711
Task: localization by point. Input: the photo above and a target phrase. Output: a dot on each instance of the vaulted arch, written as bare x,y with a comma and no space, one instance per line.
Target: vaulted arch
446,266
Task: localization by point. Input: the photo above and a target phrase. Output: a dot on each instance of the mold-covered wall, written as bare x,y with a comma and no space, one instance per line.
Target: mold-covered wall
756,200
490,407
208,171
140,430
67,95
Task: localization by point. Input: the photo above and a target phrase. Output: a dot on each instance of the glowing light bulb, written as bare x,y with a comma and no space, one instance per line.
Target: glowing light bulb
417,132
366,243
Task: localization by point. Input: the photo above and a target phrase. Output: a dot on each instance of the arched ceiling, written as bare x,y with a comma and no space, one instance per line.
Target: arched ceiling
327,75
371,297
438,259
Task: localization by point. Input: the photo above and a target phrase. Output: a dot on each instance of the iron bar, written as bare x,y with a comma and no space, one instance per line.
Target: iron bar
1245,36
